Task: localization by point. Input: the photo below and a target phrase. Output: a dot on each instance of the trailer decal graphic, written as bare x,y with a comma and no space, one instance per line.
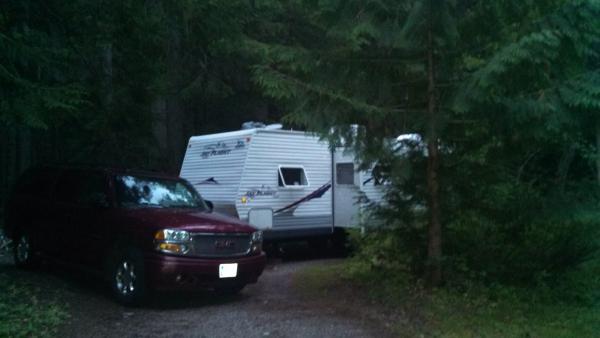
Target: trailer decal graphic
208,181
315,194
240,144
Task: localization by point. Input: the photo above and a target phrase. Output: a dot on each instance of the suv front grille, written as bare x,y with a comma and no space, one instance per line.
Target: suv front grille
220,244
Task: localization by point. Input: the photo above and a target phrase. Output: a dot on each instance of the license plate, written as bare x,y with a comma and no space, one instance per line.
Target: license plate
228,270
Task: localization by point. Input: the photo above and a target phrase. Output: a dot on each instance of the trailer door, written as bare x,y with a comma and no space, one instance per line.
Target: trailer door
346,191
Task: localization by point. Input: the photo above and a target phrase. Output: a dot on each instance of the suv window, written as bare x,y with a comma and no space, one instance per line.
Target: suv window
139,191
84,188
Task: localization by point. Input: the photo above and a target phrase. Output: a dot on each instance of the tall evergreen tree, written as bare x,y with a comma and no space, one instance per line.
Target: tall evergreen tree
445,69
379,66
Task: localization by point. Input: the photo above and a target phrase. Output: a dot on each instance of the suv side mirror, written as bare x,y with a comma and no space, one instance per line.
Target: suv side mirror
210,205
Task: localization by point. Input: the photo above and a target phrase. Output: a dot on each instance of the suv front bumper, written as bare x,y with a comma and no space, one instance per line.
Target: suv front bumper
165,272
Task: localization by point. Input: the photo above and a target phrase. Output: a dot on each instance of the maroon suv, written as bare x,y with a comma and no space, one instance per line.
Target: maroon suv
142,231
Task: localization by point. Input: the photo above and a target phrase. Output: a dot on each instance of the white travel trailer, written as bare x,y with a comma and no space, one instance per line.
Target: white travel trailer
309,189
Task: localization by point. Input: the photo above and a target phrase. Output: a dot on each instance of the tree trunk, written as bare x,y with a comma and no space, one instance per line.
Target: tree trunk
6,164
107,76
598,151
25,150
175,117
434,245
562,172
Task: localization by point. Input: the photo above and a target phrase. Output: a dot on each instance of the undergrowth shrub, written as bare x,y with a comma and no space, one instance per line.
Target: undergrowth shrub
507,234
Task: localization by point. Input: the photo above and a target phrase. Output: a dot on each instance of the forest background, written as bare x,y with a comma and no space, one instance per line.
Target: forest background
506,95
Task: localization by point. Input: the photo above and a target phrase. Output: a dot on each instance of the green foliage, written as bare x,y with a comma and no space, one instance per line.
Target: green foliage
518,196
518,92
519,241
32,88
536,73
25,313
123,83
513,216
474,310
323,67
517,99
506,312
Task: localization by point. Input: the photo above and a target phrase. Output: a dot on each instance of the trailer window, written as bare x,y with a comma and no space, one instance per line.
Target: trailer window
344,173
292,177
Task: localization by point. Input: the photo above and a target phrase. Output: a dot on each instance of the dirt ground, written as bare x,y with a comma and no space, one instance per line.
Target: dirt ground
270,308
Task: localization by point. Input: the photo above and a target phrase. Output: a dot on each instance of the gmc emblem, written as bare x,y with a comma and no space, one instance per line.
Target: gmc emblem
224,244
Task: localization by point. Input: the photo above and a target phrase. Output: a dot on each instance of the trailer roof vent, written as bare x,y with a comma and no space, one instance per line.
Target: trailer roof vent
274,126
260,125
252,125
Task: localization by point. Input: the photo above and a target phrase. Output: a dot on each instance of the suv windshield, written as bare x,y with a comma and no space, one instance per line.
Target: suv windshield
136,191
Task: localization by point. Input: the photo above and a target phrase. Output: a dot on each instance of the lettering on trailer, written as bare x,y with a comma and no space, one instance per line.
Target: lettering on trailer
215,149
264,190
222,148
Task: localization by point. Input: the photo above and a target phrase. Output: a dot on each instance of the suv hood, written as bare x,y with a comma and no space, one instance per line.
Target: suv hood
186,219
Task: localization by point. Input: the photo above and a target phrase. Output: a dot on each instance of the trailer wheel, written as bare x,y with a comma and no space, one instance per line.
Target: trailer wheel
319,245
339,242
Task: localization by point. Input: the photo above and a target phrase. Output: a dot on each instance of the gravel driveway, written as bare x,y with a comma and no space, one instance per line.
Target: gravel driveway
270,308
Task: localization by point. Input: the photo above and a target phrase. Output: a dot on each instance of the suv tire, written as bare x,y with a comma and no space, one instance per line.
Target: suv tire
24,252
126,277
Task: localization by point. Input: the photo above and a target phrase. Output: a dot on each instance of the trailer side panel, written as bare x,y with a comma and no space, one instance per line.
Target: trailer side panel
261,186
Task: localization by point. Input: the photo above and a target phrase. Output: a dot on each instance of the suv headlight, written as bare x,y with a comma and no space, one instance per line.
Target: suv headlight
257,239
172,241
257,236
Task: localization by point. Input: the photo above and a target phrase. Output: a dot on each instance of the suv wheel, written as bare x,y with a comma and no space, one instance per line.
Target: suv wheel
23,252
127,279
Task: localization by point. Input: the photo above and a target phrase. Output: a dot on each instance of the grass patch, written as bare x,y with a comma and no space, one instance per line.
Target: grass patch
24,312
318,280
476,312
452,314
